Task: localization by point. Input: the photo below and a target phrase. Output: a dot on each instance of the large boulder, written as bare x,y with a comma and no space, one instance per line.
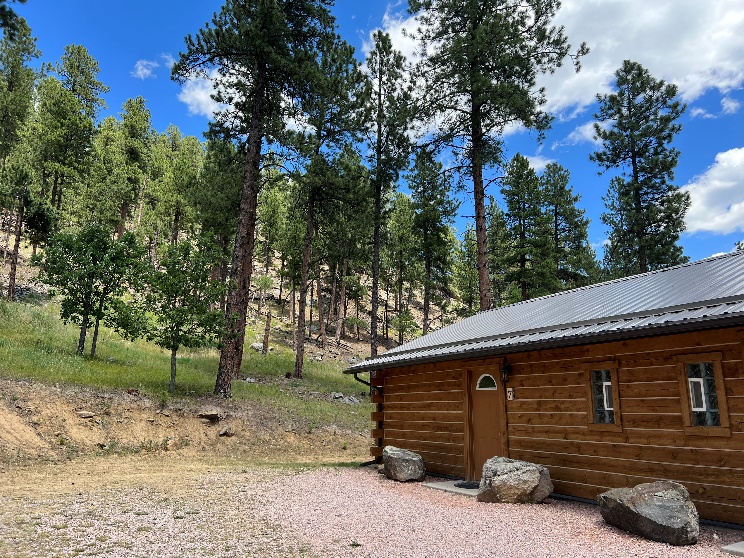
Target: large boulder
402,465
661,511
515,482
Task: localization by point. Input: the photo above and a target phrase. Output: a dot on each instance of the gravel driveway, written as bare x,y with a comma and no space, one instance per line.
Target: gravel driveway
320,512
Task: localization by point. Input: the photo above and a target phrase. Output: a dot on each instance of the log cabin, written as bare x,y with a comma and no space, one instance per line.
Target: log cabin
628,381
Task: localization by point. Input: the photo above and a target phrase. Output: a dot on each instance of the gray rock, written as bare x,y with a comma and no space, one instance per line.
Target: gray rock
353,360
227,432
514,482
258,347
85,414
661,511
402,465
336,395
351,400
212,414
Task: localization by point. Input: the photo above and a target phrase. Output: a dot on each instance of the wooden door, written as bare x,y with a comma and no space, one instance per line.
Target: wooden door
486,402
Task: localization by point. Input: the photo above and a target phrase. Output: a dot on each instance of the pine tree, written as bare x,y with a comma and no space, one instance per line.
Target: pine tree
478,74
530,263
500,245
574,260
264,54
645,211
389,119
435,213
16,85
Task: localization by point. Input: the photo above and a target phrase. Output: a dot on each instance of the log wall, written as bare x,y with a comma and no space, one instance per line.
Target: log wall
423,409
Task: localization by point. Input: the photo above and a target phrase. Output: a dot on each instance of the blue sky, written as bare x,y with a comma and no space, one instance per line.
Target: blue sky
697,45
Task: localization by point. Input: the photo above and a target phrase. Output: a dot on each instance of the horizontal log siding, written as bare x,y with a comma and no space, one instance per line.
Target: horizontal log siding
547,421
422,411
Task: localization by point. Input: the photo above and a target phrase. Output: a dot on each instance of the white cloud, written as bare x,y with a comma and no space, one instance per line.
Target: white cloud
718,196
581,134
144,69
168,60
698,112
696,45
538,162
197,95
730,106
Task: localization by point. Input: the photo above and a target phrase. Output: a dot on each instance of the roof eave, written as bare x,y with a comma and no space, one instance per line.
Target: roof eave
619,335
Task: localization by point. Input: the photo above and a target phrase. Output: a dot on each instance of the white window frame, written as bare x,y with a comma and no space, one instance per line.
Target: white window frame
492,388
608,404
698,381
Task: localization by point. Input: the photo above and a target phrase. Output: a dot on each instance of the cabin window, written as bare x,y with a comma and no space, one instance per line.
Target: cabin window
604,411
486,381
703,394
602,396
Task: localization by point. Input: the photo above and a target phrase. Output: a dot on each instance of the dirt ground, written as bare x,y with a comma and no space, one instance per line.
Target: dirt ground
66,452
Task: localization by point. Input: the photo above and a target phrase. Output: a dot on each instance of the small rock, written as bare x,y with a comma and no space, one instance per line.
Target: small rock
351,400
250,380
661,511
513,481
402,465
164,413
352,360
336,395
110,359
212,414
227,431
85,414
258,347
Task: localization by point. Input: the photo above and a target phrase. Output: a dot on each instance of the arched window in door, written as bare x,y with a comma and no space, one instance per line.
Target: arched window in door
486,381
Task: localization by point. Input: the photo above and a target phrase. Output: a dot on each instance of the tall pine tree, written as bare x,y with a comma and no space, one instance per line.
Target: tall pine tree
260,57
645,211
481,60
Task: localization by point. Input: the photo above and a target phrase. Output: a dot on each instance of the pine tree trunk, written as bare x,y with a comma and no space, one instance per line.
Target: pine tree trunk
16,247
292,316
231,354
176,226
267,331
172,384
479,195
342,304
332,307
427,293
281,284
120,226
321,325
304,282
375,263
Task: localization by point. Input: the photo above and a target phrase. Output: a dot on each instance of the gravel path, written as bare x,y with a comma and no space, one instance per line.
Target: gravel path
322,512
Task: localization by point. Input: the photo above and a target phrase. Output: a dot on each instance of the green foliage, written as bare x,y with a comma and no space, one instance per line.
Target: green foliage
9,20
89,270
466,274
435,213
16,82
530,263
182,297
481,59
574,259
405,324
645,212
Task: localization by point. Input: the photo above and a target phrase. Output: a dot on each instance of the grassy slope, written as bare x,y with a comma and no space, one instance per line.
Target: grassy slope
35,344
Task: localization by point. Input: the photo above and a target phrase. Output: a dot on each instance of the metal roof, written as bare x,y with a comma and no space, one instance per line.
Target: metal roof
696,295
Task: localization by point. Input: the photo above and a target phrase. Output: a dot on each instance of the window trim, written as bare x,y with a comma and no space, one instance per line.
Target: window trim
715,359
495,386
612,366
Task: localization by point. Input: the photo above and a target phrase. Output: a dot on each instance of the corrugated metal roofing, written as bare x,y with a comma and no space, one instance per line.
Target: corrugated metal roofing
689,295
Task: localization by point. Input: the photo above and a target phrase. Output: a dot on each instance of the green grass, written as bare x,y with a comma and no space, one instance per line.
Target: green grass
35,344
